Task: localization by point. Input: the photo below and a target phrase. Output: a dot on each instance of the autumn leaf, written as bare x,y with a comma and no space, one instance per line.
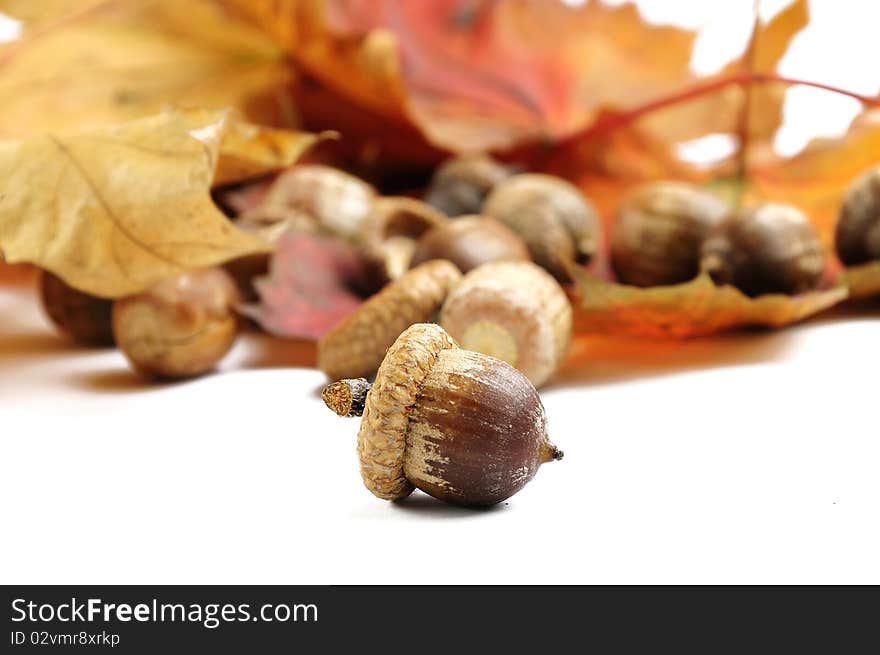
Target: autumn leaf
477,76
308,289
86,63
115,209
695,308
248,151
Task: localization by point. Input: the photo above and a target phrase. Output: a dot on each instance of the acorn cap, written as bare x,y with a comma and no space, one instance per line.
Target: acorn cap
355,347
389,232
382,435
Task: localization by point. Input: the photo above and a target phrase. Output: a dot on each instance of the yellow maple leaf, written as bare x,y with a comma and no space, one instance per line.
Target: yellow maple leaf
114,209
88,63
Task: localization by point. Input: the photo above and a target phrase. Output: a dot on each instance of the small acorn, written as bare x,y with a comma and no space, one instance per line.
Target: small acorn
460,185
857,236
389,233
461,426
514,311
658,232
180,327
355,347
556,221
469,242
334,201
81,316
768,248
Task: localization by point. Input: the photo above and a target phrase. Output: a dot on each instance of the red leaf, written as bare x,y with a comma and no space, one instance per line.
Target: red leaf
307,290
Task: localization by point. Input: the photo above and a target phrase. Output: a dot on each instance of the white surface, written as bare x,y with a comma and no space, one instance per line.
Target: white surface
743,459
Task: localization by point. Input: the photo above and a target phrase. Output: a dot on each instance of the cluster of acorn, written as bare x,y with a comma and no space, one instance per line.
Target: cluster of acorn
470,315
465,325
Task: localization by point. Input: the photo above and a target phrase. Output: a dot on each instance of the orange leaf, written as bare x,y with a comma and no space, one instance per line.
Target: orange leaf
479,76
686,310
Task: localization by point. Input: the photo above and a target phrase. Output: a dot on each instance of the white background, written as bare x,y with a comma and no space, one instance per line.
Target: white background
745,458
748,458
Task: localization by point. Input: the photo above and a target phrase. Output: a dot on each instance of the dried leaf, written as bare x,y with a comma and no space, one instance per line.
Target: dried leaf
308,289
686,310
817,178
88,63
115,209
248,150
478,76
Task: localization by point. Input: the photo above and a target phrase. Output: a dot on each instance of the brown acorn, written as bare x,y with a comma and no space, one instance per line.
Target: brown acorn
857,236
81,316
658,232
331,200
461,426
768,248
469,242
556,221
460,185
178,328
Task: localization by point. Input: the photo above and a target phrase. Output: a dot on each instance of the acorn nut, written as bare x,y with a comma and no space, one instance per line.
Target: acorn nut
470,241
355,347
461,426
558,224
81,316
389,233
658,231
308,198
768,248
180,327
857,236
460,185
514,311
325,198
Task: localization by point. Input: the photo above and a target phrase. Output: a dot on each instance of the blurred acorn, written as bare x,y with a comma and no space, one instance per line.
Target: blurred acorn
334,201
460,185
558,224
470,241
768,248
81,316
308,198
658,231
857,237
180,327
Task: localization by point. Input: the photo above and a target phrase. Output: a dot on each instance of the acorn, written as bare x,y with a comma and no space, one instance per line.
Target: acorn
514,311
333,201
180,327
309,198
469,242
81,316
461,426
658,231
857,236
768,248
460,185
558,224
